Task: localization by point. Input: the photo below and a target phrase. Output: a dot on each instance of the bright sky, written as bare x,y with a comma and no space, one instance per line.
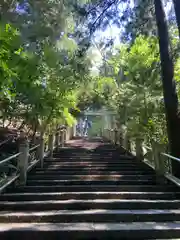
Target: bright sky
114,31
111,32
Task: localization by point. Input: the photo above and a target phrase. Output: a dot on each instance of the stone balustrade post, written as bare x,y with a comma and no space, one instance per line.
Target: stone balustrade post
125,140
57,138
63,136
107,133
68,133
158,162
60,137
41,151
51,144
120,138
111,135
23,160
155,156
123,135
104,133
139,148
101,132
74,131
115,136
128,143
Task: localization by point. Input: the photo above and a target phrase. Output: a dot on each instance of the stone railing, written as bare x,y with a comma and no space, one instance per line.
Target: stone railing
16,167
155,155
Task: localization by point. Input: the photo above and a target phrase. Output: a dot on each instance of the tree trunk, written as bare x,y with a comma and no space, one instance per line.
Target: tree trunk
169,88
177,12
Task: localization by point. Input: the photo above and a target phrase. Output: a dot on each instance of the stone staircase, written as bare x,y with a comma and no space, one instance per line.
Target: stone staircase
91,190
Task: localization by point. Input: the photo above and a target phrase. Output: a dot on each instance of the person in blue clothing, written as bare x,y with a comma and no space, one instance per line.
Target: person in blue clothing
87,125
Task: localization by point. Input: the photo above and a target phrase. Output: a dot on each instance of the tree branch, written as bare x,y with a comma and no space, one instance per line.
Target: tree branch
101,14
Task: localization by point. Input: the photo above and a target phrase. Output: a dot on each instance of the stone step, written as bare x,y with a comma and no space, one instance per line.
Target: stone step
92,215
100,158
92,159
98,231
90,154
98,167
89,195
88,168
87,153
94,188
91,177
93,164
52,182
91,172
72,204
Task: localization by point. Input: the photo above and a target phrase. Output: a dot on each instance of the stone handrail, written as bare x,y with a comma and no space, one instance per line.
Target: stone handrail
6,160
27,158
160,161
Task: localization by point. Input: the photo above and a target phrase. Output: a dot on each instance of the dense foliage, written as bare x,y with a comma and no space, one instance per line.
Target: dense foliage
40,64
145,69
46,64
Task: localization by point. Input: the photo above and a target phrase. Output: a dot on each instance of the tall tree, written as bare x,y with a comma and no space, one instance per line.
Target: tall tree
169,88
177,11
142,20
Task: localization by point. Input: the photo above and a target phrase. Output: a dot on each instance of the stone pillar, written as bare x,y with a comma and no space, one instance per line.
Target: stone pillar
51,144
68,133
115,136
74,130
158,162
139,149
71,132
23,160
62,137
127,141
57,137
41,151
120,137
65,137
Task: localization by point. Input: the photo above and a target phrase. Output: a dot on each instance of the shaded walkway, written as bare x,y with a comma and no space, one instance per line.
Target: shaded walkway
91,190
